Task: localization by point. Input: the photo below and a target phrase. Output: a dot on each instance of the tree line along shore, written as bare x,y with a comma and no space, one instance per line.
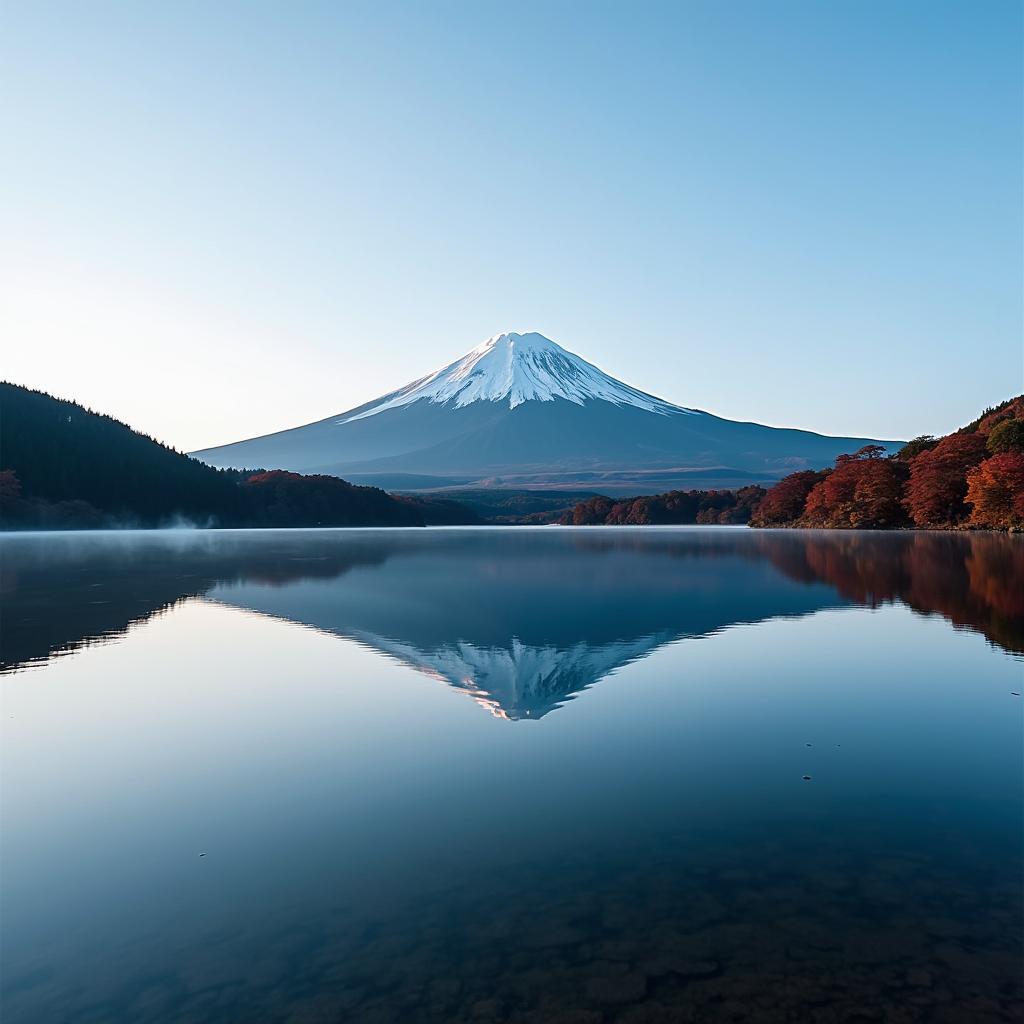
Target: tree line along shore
63,466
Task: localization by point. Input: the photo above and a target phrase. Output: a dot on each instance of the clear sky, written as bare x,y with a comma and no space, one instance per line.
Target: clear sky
221,219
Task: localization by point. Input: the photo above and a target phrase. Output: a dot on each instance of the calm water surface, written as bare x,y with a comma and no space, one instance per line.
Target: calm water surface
584,776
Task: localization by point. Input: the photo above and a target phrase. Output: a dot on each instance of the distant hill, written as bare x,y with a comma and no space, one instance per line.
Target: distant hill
500,506
64,466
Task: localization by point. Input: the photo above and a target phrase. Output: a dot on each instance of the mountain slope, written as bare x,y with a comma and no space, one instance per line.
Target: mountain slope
521,408
62,452
62,465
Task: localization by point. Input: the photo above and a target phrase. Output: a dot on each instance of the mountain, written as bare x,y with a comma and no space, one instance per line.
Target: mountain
530,619
521,411
64,466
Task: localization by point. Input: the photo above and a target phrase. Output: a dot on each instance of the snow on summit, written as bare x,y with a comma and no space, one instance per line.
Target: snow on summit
520,368
521,408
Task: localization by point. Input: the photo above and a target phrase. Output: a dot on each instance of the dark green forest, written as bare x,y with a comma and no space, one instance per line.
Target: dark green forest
63,466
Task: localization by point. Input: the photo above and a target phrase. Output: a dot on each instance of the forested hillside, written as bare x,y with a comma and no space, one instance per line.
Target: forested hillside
972,478
64,466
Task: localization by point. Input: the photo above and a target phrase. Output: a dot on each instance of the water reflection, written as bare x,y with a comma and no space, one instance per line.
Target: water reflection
219,816
520,620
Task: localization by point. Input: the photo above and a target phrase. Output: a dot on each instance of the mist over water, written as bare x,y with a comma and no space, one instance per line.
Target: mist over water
483,775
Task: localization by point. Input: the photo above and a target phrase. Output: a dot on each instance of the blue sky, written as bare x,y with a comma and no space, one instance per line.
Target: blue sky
219,220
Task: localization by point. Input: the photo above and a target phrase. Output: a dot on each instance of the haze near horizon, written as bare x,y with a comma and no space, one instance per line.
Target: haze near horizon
222,222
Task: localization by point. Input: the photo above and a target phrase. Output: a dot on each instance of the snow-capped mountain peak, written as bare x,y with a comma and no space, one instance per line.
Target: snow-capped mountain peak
520,410
518,681
517,368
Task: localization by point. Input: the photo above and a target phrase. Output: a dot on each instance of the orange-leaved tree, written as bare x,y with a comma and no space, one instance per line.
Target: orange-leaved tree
995,492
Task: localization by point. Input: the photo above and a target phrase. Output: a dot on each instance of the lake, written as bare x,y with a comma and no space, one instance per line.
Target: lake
580,776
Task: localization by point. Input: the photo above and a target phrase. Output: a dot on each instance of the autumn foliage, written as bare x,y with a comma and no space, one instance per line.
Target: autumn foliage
672,508
995,492
937,488
971,478
784,503
864,491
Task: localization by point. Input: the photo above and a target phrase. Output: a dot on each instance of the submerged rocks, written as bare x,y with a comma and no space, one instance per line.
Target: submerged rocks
616,989
761,932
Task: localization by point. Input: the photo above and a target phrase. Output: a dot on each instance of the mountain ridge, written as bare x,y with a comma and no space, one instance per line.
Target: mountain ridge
520,406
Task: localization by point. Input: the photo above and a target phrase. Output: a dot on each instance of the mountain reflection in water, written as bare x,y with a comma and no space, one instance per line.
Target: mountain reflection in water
227,798
522,620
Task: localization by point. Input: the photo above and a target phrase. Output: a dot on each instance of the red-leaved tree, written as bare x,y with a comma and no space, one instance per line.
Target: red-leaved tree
864,491
784,503
995,492
938,480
